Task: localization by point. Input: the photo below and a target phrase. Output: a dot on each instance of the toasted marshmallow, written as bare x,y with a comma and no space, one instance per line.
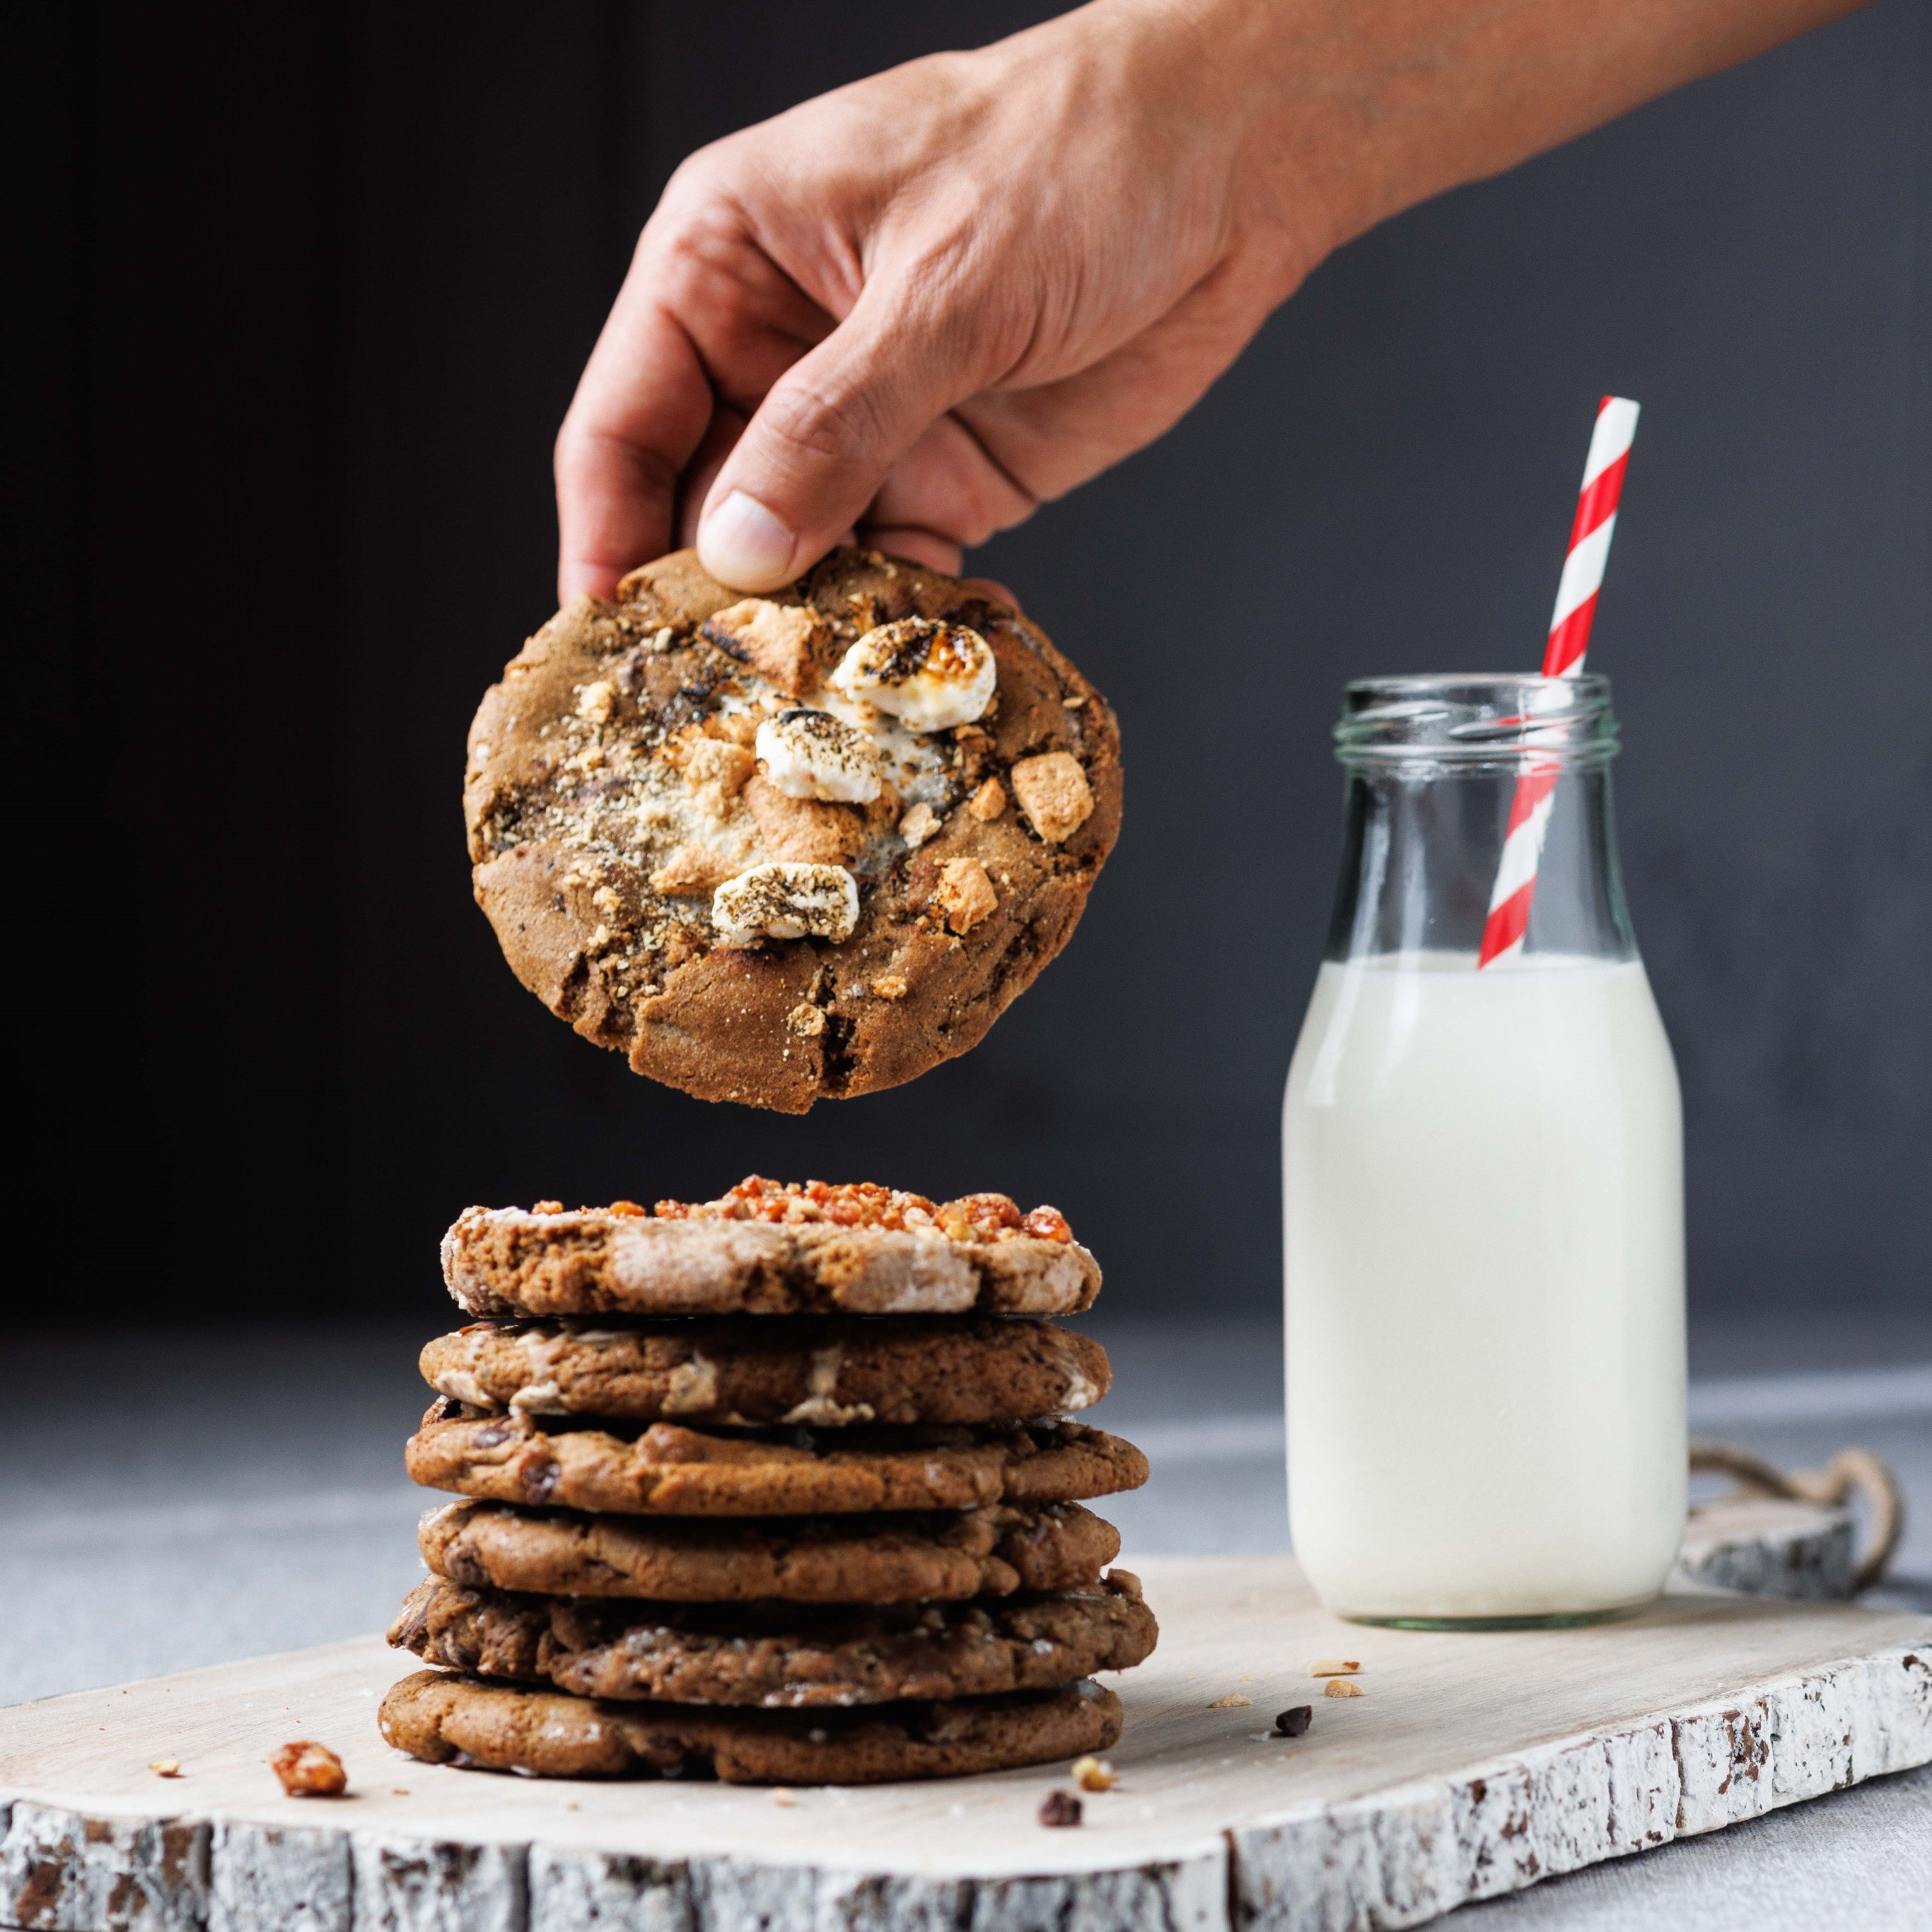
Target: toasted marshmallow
786,901
812,754
930,676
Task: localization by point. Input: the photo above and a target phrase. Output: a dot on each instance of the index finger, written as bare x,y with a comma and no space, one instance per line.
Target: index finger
640,412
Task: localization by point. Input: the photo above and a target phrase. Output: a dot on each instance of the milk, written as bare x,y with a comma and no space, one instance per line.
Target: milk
1485,1284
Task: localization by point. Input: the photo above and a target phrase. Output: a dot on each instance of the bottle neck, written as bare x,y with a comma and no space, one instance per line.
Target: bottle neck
1434,768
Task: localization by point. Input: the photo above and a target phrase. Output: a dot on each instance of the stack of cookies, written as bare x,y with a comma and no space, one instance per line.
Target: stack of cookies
778,1488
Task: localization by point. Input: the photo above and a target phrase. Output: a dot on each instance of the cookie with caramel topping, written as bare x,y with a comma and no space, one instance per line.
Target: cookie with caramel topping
616,787
444,1718
765,1249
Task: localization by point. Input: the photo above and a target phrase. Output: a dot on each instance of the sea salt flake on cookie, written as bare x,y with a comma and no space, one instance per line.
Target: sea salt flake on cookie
783,901
929,675
809,754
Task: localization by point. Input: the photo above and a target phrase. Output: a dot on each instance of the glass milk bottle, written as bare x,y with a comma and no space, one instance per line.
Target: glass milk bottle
1483,1189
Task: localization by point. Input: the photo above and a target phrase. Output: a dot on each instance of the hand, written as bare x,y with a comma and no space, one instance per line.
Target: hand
917,308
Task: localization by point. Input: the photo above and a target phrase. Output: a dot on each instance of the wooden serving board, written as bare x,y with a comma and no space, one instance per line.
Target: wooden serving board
1473,1765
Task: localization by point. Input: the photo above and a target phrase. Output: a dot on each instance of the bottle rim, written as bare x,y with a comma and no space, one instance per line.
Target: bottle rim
1476,719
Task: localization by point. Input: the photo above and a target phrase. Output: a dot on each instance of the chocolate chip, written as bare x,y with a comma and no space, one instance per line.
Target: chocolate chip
540,1484
1293,1721
1059,1808
488,1438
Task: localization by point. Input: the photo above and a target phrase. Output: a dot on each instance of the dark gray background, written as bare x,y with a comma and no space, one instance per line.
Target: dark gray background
310,288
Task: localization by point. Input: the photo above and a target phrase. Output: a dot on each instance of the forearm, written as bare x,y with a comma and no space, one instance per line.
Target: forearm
1352,111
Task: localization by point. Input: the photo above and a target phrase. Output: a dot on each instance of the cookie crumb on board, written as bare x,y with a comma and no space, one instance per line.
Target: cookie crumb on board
1342,1687
307,1769
1094,1774
165,1767
1059,1808
1233,1701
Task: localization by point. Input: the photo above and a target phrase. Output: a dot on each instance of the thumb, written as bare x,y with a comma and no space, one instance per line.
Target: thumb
813,455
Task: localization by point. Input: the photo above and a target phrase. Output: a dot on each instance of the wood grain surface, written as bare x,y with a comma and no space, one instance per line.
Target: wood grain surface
1472,1766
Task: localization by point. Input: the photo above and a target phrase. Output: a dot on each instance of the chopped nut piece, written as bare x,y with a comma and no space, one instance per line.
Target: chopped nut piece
165,1767
1058,1808
780,642
1295,1720
988,802
806,1020
1053,793
1072,704
1233,1701
965,893
307,1769
1094,1774
810,754
594,701
786,901
889,986
1333,1667
927,674
919,825
662,639
1342,1687
547,1208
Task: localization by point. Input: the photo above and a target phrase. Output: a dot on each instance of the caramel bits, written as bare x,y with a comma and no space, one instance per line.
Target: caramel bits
307,1769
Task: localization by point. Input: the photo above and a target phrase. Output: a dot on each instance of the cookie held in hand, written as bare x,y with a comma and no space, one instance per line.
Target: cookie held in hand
778,849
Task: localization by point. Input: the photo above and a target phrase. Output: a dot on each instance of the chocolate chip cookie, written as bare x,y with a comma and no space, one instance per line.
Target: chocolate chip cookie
780,1656
769,1248
824,1371
775,849
941,1556
445,1718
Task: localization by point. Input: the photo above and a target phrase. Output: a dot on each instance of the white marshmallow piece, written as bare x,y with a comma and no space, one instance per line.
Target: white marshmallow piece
930,676
786,901
810,754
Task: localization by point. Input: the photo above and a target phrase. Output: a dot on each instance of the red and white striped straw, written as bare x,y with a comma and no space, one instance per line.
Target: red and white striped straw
1562,657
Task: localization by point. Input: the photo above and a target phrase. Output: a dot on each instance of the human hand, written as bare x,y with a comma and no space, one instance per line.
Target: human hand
939,296
918,307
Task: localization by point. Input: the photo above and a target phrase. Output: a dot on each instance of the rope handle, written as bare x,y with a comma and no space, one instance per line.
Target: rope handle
1850,1472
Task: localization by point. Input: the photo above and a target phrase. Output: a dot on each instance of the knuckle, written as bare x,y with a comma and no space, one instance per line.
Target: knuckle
823,426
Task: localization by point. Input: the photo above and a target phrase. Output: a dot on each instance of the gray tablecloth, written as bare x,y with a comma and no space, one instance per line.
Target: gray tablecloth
174,1499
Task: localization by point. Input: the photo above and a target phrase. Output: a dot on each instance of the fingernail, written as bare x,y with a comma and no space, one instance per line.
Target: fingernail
742,544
